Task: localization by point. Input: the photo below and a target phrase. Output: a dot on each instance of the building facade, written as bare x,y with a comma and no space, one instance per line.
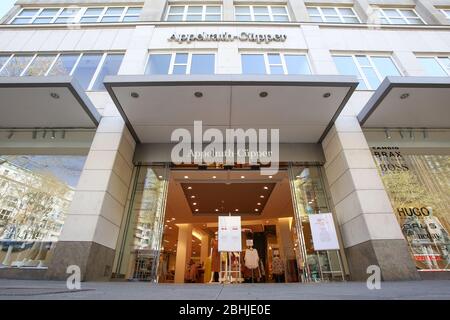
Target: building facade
357,88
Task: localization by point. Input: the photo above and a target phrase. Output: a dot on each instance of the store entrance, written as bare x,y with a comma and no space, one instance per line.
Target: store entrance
171,230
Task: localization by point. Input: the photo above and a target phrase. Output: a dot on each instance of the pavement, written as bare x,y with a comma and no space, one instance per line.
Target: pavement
57,290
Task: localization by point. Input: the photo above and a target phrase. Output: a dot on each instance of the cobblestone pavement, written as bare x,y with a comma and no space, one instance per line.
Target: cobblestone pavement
24,289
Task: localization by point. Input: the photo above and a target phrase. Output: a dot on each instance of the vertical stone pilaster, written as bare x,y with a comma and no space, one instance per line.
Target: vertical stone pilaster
153,10
228,10
184,247
370,231
298,11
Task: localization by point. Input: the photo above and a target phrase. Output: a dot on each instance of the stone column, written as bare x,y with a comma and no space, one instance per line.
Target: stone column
228,10
153,10
91,228
184,247
370,231
428,12
363,9
298,11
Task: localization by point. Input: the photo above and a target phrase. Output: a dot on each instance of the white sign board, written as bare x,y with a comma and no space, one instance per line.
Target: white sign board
323,232
230,234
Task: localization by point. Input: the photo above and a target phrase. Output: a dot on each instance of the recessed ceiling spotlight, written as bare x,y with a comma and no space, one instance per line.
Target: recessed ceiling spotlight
170,228
54,95
263,94
160,177
192,197
404,96
134,95
217,210
173,219
186,177
214,177
270,177
266,188
327,95
167,220
196,210
198,94
261,196
189,188
242,177
259,203
256,210
195,203
236,210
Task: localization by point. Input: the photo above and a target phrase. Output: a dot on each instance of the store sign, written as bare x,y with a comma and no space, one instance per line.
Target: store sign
323,232
227,37
389,159
229,234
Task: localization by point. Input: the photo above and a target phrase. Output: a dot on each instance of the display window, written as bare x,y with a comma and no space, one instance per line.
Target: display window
35,194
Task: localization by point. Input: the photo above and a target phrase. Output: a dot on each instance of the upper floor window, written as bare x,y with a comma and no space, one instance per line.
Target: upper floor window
77,15
398,16
181,63
194,13
89,69
370,70
446,13
261,13
436,66
274,63
333,14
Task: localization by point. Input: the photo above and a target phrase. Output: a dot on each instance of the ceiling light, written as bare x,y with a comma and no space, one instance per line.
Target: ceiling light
166,225
173,219
198,94
242,177
404,96
54,95
388,135
261,196
170,228
266,188
195,203
327,95
192,197
160,177
236,210
216,210
214,177
134,95
270,177
256,210
186,177
167,220
263,94
259,203
196,210
189,188
267,221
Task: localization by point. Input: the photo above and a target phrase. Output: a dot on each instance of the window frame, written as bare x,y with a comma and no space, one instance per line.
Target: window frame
336,9
59,54
282,55
436,58
445,12
185,12
77,18
372,65
269,9
403,17
188,63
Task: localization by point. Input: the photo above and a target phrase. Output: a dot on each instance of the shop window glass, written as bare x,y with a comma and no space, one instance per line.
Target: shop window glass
86,68
36,195
202,64
418,186
158,64
64,64
40,65
110,66
253,64
16,66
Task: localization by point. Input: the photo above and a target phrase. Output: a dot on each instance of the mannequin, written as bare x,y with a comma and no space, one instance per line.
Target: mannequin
251,260
277,267
215,259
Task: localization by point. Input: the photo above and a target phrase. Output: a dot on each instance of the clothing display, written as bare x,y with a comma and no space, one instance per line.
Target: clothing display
277,266
215,256
251,258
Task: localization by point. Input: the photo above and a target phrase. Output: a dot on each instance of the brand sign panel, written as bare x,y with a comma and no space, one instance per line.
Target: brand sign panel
323,232
229,234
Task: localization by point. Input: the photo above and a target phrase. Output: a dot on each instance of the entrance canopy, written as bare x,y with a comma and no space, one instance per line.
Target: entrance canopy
414,102
302,107
45,102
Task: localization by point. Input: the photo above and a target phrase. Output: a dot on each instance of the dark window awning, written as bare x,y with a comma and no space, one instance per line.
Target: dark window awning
45,102
409,102
302,107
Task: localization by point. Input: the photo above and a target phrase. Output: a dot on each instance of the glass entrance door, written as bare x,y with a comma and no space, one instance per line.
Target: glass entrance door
309,197
140,247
